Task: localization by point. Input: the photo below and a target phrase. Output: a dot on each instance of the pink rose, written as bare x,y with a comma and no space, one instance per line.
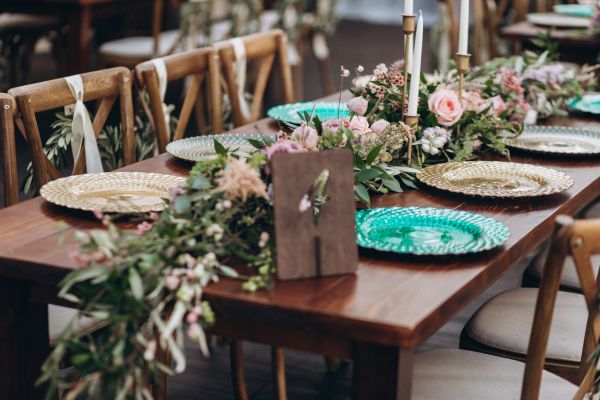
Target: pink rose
445,105
358,125
283,146
472,101
144,227
358,105
379,126
307,136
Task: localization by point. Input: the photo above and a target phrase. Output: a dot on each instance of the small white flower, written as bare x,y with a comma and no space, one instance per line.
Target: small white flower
218,206
264,236
227,204
360,68
305,204
150,351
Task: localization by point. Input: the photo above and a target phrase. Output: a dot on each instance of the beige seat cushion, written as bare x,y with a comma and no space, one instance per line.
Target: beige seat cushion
504,323
141,46
450,374
60,317
569,277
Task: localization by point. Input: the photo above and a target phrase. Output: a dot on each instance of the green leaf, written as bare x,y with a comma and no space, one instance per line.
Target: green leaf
366,175
228,271
200,182
373,154
182,204
362,193
393,185
136,285
256,143
219,148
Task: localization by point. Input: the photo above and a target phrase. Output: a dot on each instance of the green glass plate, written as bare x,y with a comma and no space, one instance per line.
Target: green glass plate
589,103
427,231
576,10
288,113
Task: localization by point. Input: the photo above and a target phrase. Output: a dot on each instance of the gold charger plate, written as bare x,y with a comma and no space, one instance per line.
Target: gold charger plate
557,140
496,179
122,192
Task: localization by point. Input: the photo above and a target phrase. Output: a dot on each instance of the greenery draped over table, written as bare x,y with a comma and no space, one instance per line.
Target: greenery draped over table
147,283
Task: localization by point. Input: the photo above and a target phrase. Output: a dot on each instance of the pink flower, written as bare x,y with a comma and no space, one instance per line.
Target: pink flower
497,106
191,318
358,105
333,125
307,136
445,105
144,227
358,125
153,216
176,192
79,259
98,214
472,101
172,282
194,331
283,146
379,126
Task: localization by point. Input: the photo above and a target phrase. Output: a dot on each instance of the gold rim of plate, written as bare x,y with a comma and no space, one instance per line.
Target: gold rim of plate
120,192
497,179
557,140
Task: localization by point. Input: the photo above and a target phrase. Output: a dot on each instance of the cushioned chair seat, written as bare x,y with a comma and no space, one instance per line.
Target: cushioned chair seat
504,323
60,317
141,46
18,22
569,277
450,374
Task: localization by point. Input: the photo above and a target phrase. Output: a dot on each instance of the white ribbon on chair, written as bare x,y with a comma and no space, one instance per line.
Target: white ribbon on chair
161,72
240,67
82,129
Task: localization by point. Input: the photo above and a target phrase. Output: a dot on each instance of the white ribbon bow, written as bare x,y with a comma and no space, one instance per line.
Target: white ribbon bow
82,129
161,72
239,50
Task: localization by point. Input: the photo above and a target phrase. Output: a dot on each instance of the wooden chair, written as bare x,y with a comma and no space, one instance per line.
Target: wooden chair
263,49
462,374
201,66
104,86
59,317
500,327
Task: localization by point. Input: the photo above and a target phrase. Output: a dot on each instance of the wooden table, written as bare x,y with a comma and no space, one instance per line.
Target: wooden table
78,15
376,317
576,45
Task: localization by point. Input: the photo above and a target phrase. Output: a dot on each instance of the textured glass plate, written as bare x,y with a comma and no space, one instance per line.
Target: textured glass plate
495,179
576,10
559,20
203,147
427,231
122,192
589,103
557,140
324,110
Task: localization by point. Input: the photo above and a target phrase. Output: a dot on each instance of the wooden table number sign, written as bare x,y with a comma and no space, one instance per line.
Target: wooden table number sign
314,205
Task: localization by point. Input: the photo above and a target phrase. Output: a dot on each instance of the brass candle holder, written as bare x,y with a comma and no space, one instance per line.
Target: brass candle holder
408,27
462,65
413,123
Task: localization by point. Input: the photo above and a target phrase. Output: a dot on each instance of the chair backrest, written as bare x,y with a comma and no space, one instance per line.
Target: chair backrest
200,66
262,48
581,240
9,152
103,86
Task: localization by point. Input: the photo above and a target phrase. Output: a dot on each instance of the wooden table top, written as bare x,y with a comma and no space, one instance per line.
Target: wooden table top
392,300
528,30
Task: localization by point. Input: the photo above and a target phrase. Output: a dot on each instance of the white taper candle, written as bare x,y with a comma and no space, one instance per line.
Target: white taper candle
413,97
463,33
408,7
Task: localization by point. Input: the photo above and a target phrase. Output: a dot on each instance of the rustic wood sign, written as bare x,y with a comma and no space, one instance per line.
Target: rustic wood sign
314,205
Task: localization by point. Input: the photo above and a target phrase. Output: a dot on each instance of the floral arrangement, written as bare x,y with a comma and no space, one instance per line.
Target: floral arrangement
147,284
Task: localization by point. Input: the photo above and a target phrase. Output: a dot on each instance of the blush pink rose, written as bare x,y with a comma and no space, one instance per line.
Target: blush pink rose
307,136
497,106
445,105
379,126
358,105
358,125
283,146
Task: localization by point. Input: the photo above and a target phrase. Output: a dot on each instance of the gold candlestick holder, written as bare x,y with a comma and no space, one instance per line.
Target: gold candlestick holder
408,27
413,123
462,65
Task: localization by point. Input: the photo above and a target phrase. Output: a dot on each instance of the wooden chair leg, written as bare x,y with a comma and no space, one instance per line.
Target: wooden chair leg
326,75
278,369
159,392
236,352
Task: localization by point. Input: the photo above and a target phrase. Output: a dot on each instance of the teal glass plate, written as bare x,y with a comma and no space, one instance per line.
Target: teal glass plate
576,10
288,113
427,231
589,103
